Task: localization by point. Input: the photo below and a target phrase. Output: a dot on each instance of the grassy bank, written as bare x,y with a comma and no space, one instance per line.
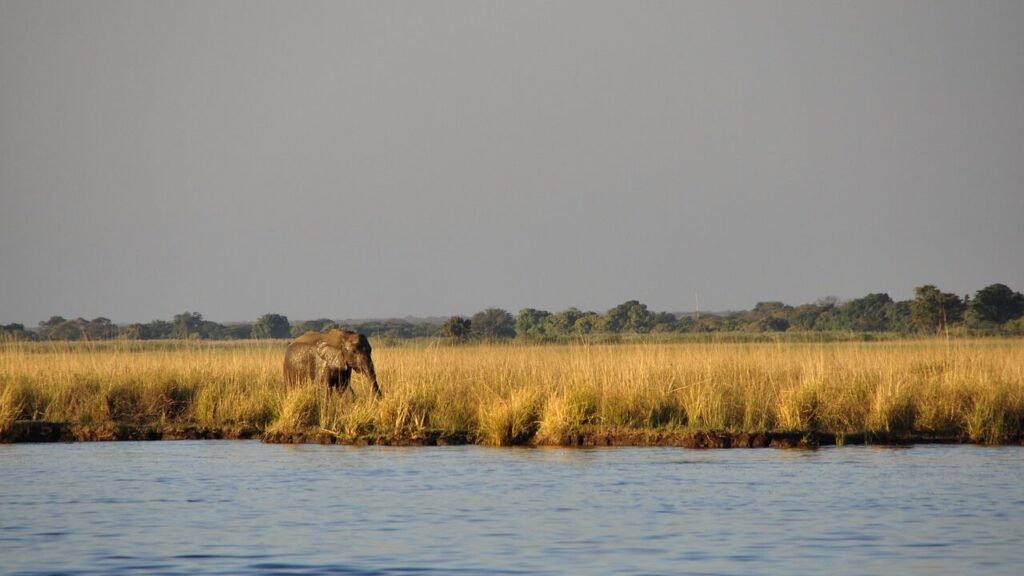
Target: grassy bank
744,393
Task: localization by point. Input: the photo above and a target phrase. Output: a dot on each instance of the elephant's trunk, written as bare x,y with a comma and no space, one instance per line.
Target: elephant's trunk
371,374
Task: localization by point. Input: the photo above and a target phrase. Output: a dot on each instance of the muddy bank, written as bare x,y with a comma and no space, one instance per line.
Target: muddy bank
41,431
430,438
24,431
644,438
714,439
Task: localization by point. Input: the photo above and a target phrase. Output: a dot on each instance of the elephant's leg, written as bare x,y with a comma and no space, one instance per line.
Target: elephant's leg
323,374
344,377
334,378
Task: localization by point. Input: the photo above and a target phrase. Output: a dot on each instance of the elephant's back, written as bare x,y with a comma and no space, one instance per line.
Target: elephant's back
298,360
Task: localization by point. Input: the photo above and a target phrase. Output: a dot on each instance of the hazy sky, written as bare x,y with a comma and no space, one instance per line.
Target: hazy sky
368,159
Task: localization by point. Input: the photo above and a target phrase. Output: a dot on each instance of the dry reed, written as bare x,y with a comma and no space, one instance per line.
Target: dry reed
516,394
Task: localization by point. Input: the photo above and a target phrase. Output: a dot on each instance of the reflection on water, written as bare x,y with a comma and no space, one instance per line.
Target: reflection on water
243,507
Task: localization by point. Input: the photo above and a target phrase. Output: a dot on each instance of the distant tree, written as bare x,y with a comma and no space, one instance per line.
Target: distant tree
531,323
617,319
53,322
867,314
99,329
47,327
209,329
805,316
711,323
318,325
134,331
587,323
187,325
933,310
382,328
158,330
15,331
899,317
630,316
67,330
686,323
563,323
773,308
235,331
729,323
768,317
404,329
1015,326
271,326
996,304
769,324
828,301
493,324
457,328
665,322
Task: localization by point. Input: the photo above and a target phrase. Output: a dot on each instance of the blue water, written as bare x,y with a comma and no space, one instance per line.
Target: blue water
237,507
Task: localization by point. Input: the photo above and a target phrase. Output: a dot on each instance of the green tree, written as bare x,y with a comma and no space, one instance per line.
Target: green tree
532,323
187,325
563,323
772,308
769,324
933,310
271,326
15,331
587,323
52,322
1015,326
493,324
67,330
99,329
665,322
805,316
630,316
234,331
457,328
134,331
899,318
997,304
768,317
47,327
158,330
867,314
318,325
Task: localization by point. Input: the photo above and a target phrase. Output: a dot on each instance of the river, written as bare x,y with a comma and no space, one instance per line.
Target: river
242,507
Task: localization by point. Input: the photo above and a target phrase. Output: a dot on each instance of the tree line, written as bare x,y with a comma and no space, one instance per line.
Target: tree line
993,309
192,326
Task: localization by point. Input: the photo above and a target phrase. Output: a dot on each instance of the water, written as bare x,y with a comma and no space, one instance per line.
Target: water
237,507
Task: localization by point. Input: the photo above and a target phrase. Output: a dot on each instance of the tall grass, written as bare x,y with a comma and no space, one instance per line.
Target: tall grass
514,394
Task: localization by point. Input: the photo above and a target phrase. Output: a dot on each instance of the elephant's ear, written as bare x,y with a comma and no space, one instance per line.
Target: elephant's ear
330,355
340,339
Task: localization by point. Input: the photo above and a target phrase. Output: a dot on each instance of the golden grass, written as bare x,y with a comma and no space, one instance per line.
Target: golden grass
515,394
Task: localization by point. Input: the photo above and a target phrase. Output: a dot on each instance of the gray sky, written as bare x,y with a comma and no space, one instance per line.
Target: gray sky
367,159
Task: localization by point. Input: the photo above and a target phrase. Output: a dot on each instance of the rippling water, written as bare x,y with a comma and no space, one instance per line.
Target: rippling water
243,507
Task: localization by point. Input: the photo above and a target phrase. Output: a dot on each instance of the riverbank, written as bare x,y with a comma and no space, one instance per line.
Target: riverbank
34,431
577,395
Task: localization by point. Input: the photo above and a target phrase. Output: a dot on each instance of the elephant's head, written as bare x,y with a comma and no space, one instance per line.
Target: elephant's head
343,350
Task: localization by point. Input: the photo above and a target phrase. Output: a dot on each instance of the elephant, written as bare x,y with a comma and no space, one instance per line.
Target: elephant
329,358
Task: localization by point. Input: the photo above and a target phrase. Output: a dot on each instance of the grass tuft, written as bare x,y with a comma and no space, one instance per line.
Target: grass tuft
510,421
